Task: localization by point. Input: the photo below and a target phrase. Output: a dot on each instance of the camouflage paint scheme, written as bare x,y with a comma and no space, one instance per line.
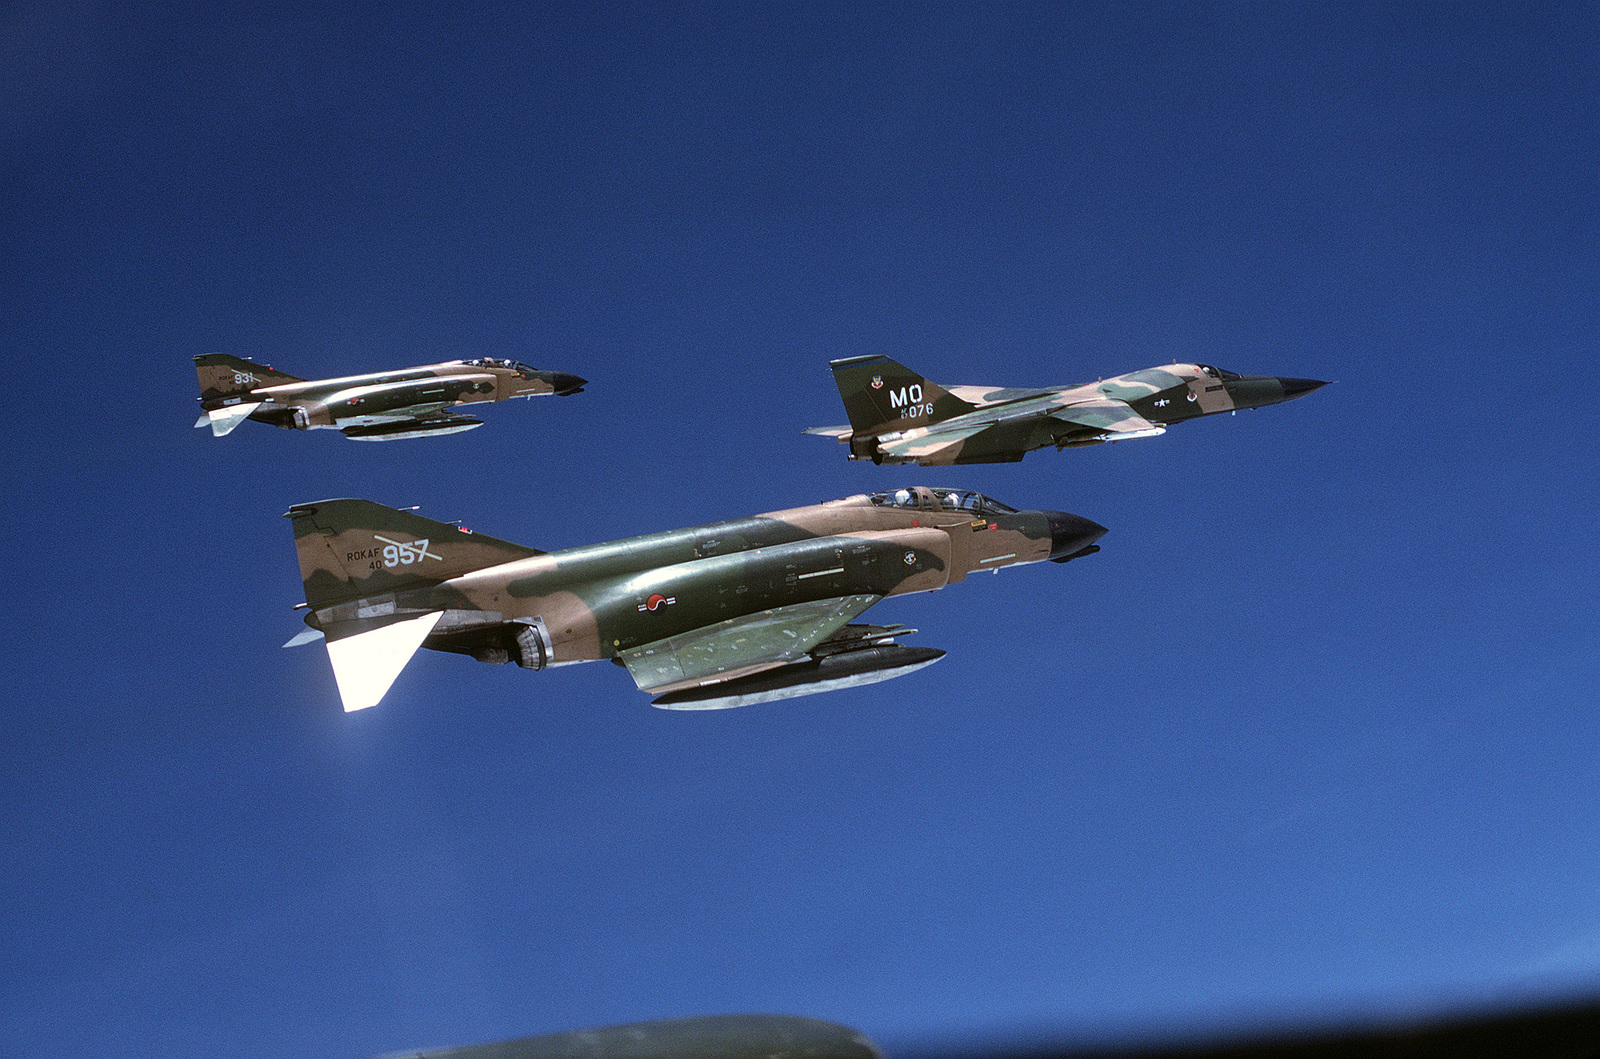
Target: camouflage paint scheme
381,406
897,416
682,610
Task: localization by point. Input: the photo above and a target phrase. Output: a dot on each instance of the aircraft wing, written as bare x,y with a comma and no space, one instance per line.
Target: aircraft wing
1106,420
1114,420
441,416
930,444
740,646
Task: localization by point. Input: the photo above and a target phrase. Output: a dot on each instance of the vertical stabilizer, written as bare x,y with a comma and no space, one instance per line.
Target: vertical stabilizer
883,395
223,376
355,549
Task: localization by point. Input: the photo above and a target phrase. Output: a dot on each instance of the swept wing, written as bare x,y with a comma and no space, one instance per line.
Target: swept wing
929,445
1007,427
1112,418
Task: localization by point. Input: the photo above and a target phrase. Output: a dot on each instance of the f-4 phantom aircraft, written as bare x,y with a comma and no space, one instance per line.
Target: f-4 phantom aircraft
897,416
714,616
381,406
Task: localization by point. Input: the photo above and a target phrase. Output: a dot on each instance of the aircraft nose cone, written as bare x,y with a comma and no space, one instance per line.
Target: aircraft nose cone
566,385
1293,388
1071,533
1254,391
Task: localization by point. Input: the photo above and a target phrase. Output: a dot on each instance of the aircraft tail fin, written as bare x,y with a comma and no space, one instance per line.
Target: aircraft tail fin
882,395
355,553
223,376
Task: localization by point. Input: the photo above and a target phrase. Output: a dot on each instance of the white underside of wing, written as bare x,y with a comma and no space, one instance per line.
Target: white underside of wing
365,665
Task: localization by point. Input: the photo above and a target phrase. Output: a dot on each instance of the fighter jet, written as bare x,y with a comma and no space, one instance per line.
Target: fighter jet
897,416
382,406
728,614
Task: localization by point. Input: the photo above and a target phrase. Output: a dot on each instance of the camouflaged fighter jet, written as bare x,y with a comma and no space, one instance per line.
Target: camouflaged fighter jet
381,406
733,613
897,416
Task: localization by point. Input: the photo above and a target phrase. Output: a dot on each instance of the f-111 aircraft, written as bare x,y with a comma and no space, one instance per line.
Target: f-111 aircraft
897,416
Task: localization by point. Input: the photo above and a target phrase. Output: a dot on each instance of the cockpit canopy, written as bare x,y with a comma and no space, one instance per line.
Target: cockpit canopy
496,362
1218,373
921,498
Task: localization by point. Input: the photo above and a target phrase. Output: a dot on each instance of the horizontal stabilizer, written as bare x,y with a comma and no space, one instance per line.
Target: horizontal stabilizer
366,664
303,637
223,420
841,433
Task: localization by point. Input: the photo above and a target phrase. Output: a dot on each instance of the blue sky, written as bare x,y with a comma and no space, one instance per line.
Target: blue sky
1311,739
